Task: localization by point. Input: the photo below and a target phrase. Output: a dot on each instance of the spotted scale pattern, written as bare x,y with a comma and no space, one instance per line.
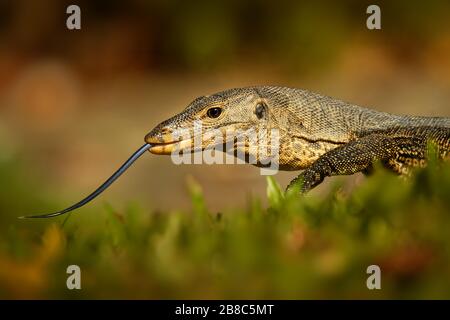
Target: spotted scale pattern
318,134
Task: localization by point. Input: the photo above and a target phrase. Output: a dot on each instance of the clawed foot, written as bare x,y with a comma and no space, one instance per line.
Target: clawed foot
296,186
304,182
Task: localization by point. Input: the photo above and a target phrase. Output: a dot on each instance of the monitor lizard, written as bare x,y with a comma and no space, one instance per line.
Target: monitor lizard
318,134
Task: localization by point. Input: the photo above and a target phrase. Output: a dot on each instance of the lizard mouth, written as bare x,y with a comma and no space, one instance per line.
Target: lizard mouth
163,148
166,148
165,143
161,143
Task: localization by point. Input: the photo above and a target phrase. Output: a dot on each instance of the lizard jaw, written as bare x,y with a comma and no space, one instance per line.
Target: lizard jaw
165,144
162,142
168,147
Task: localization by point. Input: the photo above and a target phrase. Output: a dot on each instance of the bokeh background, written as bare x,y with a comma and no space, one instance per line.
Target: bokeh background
75,104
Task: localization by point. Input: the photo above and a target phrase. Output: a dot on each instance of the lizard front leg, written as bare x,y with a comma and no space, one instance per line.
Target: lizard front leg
356,156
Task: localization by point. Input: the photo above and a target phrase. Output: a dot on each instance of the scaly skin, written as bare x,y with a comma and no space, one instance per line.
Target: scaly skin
318,134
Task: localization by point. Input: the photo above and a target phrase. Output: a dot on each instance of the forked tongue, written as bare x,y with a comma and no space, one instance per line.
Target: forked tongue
100,189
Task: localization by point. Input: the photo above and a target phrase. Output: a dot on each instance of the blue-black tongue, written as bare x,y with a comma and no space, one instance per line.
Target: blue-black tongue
100,189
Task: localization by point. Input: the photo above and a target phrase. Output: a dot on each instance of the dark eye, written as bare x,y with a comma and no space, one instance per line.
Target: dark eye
260,110
214,112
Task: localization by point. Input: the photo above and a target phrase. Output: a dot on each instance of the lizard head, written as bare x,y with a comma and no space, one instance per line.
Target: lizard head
226,114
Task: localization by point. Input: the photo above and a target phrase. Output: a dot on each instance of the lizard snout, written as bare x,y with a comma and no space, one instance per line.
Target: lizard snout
160,134
162,140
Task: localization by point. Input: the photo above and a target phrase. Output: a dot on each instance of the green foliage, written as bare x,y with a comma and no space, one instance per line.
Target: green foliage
297,247
274,193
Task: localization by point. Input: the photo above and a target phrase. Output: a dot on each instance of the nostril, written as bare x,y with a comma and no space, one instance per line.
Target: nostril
164,130
158,135
149,137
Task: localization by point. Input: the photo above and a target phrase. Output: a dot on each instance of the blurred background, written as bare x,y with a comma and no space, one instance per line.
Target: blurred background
75,104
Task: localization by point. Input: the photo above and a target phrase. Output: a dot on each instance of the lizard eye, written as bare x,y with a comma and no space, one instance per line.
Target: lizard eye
260,110
214,112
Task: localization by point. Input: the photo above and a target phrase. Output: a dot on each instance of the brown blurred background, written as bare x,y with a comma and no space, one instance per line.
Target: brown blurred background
75,104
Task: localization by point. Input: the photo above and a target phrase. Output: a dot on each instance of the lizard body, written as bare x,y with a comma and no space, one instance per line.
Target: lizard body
317,134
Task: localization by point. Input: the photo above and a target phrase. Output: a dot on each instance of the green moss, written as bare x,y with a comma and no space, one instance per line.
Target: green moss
297,247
